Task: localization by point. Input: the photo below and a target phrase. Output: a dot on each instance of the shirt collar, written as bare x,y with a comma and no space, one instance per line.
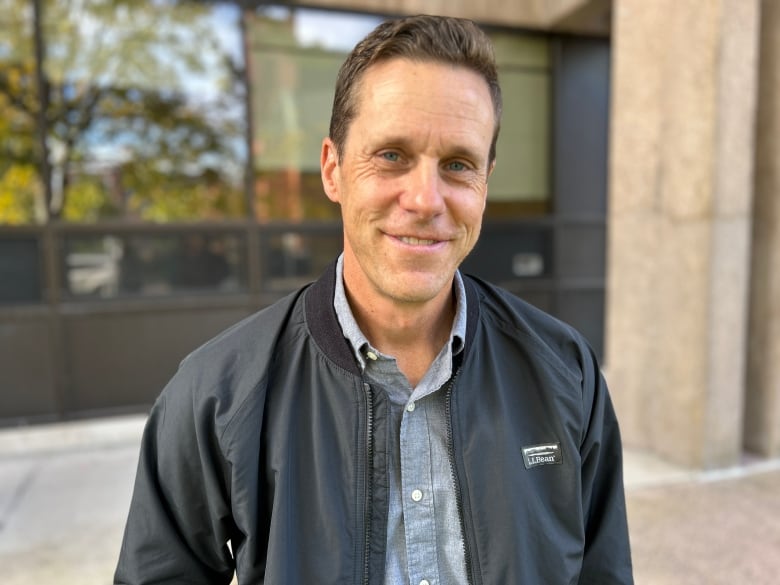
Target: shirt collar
359,342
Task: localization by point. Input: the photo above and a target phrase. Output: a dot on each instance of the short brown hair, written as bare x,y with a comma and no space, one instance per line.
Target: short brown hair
440,39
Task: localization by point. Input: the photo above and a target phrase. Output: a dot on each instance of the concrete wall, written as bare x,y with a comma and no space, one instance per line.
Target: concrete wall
683,105
585,16
762,416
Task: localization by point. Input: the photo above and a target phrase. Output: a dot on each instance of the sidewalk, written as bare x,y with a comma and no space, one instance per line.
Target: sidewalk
713,529
64,493
65,488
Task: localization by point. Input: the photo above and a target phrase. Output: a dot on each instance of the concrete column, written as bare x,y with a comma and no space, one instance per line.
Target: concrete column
762,416
681,162
582,16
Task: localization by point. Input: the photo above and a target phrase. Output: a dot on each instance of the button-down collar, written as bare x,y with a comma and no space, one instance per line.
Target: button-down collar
362,347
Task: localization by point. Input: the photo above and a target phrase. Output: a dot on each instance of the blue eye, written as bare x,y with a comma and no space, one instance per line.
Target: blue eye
456,166
390,156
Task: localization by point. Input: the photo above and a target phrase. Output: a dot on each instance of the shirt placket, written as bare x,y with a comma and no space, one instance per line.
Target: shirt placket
417,495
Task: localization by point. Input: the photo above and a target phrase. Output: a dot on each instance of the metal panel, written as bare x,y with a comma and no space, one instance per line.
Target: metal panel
584,310
120,359
27,377
512,251
581,123
20,269
581,251
580,155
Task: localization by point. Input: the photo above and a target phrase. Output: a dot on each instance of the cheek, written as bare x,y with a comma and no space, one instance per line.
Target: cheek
471,209
371,200
474,232
357,215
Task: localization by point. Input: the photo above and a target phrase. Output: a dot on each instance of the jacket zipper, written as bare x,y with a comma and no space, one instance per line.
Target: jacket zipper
456,483
369,481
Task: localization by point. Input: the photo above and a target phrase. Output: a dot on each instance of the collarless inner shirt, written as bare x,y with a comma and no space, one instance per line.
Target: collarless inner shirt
424,536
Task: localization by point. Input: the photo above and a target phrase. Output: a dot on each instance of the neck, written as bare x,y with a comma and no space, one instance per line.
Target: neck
412,333
405,326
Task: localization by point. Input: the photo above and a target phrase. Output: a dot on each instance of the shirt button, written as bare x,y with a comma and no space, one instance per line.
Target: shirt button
424,582
410,407
417,495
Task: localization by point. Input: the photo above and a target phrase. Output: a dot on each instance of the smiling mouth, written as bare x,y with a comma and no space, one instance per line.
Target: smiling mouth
416,241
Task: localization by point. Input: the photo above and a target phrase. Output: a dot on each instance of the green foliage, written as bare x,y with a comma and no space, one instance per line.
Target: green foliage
163,198
19,188
88,201
19,180
123,81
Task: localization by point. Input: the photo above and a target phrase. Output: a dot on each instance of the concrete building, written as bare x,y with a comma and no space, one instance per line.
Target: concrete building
692,315
644,210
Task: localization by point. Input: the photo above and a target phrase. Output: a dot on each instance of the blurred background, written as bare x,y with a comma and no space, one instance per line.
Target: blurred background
159,180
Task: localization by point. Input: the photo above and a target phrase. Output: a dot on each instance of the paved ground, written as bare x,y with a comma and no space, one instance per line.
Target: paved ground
707,532
64,493
65,488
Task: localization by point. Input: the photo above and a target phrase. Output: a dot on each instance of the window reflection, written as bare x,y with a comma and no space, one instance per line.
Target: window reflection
106,266
506,254
520,184
292,258
146,109
147,121
295,55
21,189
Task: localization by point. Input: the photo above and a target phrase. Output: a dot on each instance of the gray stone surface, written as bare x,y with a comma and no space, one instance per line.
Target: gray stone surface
762,420
680,200
703,532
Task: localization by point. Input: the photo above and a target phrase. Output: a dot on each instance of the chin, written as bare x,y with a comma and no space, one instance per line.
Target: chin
415,290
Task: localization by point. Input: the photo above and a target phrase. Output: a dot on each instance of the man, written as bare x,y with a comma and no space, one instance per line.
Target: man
396,421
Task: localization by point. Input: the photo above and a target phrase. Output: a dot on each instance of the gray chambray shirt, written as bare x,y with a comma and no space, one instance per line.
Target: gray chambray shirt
424,539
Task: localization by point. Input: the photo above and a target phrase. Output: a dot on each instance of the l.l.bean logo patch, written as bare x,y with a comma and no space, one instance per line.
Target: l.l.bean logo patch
546,454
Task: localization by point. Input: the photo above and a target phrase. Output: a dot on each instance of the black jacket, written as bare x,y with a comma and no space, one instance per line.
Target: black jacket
268,442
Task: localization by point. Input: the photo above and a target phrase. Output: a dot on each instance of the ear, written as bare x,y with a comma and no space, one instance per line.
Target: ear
330,170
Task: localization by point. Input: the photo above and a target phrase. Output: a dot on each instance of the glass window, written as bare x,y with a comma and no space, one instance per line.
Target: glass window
520,184
20,269
295,54
147,116
292,257
508,253
21,188
294,57
153,264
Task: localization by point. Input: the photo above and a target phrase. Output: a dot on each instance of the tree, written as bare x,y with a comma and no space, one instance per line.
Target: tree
122,82
20,186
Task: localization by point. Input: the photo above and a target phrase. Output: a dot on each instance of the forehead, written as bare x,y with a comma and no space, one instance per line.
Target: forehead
401,92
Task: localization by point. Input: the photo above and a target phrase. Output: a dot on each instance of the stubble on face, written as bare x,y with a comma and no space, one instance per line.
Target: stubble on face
412,182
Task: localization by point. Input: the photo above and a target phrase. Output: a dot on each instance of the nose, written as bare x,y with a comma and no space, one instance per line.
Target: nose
424,192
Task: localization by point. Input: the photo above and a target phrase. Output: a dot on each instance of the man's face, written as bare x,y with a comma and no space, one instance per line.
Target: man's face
412,182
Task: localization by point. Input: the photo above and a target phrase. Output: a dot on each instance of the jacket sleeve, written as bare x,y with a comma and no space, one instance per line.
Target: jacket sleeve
179,522
607,557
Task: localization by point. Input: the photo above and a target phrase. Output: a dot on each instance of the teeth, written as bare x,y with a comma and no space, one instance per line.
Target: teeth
416,241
